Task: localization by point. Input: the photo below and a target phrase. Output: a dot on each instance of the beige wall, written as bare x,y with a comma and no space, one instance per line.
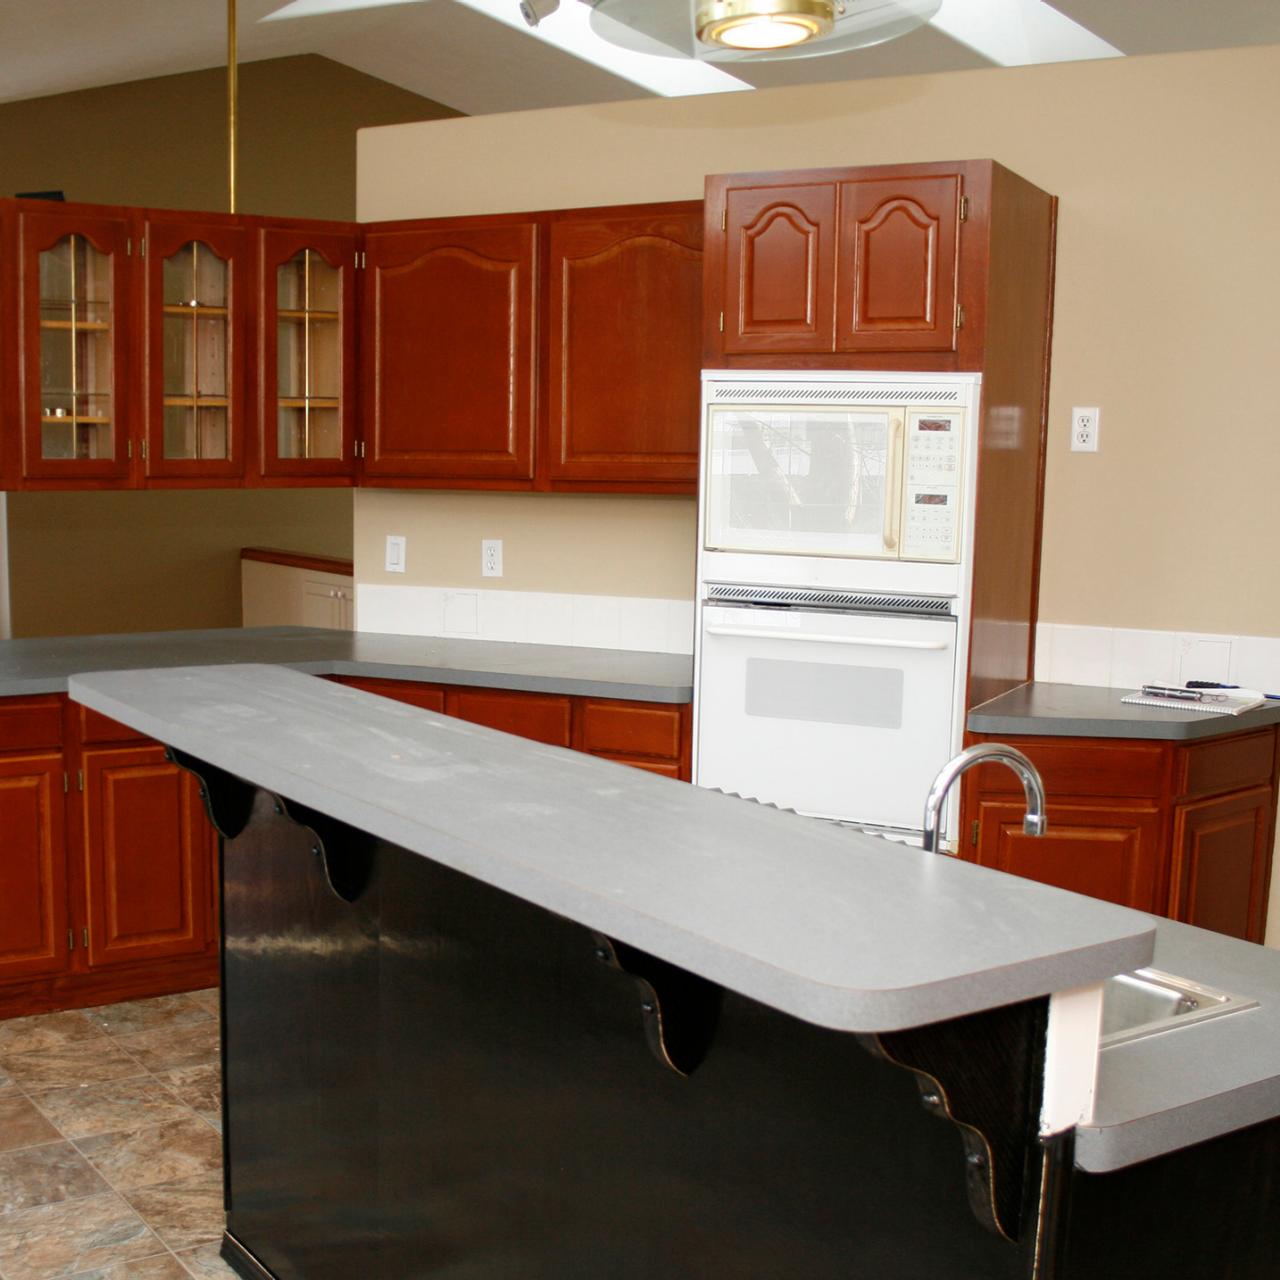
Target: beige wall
1167,281
579,544
88,563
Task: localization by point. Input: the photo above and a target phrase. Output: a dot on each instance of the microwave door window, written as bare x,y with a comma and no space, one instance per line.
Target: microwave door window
800,481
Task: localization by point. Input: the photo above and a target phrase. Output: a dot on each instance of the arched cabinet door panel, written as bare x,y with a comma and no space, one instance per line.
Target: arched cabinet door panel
624,358
896,284
779,278
450,349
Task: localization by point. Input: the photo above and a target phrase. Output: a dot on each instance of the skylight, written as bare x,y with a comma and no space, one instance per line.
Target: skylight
1018,33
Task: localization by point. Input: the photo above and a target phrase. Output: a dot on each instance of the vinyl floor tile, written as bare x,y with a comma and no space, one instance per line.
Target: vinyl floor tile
44,1174
45,1031
163,1266
133,1016
208,999
164,1049
173,1152
183,1214
205,1263
73,1237
75,1063
111,1107
21,1125
197,1087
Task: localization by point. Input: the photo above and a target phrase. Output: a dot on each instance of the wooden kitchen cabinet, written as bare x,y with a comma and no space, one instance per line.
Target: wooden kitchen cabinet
886,266
450,350
623,358
654,736
1180,829
307,353
107,863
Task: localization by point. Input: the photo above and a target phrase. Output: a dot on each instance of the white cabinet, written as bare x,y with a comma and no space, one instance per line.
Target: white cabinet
279,589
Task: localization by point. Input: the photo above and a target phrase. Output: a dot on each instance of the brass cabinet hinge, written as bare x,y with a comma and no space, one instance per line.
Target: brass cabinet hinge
964,208
959,316
973,833
142,246
142,448
128,449
71,939
79,779
128,246
724,218
66,782
722,322
84,935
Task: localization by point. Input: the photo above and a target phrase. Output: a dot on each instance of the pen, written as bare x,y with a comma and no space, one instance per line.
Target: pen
1166,691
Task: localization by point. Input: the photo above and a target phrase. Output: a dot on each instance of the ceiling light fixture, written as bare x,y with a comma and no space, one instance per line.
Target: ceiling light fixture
764,24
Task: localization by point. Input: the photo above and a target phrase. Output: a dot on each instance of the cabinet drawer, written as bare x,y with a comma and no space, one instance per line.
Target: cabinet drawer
542,717
95,727
631,729
430,697
666,768
1081,767
1226,764
30,722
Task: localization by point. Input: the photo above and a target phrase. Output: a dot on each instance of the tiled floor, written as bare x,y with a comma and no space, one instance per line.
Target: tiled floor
110,1159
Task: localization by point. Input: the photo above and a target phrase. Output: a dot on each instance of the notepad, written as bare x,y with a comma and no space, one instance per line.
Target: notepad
1212,702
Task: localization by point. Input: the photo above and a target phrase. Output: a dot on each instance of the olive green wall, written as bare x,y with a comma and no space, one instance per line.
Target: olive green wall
85,563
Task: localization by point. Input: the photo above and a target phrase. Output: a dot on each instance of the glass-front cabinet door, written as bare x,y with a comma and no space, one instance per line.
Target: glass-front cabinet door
307,367
194,350
74,368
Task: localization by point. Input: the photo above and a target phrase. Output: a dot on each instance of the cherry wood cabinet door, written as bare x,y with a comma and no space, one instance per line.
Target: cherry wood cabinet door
1110,851
199,283
624,347
778,288
306,346
897,257
33,862
75,310
540,716
450,348
1220,854
148,852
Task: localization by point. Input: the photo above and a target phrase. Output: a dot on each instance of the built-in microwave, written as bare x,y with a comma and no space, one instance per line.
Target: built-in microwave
856,469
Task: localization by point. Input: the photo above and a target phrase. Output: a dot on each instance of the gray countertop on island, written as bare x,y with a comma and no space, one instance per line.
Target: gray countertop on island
1041,709
44,665
840,929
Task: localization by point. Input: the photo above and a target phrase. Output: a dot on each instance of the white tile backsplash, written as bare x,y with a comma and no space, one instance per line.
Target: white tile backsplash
528,617
1124,658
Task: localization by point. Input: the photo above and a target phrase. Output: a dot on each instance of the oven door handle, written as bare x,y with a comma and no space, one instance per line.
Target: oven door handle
865,642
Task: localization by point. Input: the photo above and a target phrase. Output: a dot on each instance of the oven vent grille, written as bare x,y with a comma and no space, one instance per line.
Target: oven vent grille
862,601
762,397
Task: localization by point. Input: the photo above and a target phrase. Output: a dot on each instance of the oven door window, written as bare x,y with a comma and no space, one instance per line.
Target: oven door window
804,480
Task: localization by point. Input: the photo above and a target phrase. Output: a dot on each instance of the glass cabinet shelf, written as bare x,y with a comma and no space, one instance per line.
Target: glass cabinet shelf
308,358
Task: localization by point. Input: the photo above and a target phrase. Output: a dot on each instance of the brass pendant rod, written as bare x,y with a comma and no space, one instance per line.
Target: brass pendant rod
232,105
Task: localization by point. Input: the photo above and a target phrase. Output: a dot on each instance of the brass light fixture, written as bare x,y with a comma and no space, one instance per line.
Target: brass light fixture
764,24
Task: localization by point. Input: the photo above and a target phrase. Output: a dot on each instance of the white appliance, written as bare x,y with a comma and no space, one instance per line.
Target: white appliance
833,588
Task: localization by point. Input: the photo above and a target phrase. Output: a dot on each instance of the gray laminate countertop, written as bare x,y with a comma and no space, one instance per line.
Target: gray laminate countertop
44,665
1194,1082
840,929
1040,709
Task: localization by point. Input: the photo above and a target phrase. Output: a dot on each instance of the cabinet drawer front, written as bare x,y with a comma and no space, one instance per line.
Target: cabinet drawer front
1226,764
30,722
665,768
430,697
631,729
1081,767
542,717
95,727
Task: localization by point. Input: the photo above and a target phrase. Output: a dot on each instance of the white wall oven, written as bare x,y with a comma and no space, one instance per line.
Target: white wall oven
832,601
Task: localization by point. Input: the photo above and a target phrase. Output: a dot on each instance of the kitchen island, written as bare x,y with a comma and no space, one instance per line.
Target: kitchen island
494,1009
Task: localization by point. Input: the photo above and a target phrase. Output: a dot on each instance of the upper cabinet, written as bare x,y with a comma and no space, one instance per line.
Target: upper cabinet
197,286
545,351
449,364
73,315
625,292
871,267
306,363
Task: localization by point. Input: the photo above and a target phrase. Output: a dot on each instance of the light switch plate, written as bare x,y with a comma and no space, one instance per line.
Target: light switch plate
395,553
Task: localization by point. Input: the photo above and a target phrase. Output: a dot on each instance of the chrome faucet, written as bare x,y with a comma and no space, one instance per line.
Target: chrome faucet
1033,823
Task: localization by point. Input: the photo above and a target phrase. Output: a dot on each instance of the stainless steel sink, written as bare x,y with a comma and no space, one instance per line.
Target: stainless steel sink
1149,1001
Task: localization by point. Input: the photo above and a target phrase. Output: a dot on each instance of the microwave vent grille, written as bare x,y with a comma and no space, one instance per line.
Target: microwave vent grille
821,598
836,395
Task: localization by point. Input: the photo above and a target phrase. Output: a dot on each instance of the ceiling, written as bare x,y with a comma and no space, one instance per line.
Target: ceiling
448,51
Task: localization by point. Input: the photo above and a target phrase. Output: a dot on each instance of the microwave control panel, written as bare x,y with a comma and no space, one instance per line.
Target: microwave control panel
930,528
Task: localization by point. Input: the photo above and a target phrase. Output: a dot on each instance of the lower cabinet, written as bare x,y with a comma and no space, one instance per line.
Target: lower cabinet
654,736
1183,830
107,863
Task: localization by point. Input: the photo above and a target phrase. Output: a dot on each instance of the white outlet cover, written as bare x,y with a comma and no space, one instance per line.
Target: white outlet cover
395,553
491,557
1085,441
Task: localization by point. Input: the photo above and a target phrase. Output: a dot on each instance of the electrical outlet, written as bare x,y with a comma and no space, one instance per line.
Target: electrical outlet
1084,430
395,553
491,557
